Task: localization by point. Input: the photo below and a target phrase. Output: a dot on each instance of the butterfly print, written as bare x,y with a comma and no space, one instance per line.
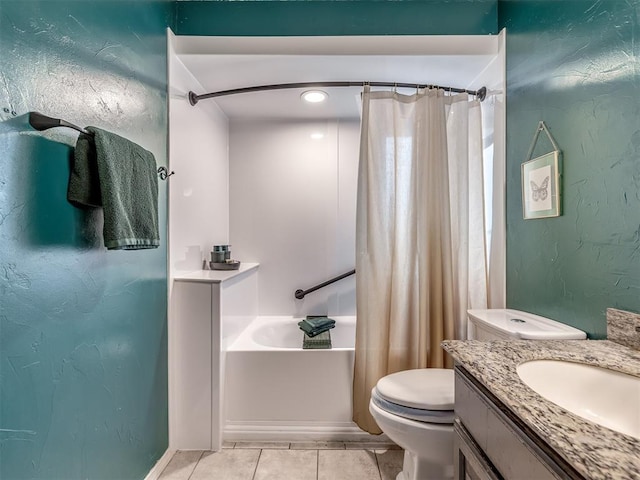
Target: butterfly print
540,192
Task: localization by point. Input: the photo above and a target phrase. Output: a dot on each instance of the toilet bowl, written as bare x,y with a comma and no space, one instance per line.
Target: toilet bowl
414,408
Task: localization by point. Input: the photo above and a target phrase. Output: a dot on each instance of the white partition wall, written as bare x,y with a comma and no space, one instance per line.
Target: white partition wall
192,413
493,77
210,307
199,190
198,218
292,204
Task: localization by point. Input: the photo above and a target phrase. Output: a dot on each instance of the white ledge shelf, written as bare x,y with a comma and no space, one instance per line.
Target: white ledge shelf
215,276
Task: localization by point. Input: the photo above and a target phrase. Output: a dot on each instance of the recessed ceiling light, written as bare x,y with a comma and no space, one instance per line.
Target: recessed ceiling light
314,96
317,135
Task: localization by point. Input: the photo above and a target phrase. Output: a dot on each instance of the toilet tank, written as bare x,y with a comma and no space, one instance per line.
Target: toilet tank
506,324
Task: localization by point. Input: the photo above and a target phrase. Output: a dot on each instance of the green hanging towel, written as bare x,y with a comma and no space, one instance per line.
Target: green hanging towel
121,176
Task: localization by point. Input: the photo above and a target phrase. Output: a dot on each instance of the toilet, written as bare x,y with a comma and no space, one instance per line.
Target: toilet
414,408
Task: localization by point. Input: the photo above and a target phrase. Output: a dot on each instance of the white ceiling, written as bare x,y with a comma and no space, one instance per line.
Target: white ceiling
221,64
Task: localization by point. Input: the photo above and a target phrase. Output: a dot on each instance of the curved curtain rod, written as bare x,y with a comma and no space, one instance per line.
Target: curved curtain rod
194,98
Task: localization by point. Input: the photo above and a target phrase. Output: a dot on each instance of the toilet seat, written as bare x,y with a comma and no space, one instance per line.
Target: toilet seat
424,395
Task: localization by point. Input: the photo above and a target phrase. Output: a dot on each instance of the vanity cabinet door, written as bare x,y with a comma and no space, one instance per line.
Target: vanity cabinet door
469,462
484,426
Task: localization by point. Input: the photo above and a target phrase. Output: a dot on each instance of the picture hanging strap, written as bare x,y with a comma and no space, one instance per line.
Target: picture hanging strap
541,127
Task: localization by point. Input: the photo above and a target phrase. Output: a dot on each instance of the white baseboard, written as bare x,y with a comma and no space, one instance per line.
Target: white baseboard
160,465
297,432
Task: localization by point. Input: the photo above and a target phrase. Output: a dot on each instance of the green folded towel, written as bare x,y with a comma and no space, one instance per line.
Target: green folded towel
321,341
316,331
314,325
317,321
126,187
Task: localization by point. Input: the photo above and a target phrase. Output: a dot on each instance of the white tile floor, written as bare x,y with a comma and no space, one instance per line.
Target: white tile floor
288,461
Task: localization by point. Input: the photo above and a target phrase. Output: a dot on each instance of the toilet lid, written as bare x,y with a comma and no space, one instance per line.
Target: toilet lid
424,388
418,414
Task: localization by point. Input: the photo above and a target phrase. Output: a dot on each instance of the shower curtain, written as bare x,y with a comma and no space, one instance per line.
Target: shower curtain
420,236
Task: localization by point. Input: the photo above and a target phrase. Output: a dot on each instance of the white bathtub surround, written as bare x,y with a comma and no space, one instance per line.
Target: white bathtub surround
199,154
240,376
210,308
421,262
275,390
292,208
291,198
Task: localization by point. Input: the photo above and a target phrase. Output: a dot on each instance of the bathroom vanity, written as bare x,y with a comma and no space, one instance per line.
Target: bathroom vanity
505,430
492,443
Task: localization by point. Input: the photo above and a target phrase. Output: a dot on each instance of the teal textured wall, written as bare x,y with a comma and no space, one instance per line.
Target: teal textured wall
574,64
83,366
83,331
347,17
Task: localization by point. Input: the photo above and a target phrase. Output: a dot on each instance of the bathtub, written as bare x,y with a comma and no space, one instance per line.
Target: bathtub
271,334
275,390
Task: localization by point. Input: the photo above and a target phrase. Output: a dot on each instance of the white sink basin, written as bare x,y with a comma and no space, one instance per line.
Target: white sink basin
602,396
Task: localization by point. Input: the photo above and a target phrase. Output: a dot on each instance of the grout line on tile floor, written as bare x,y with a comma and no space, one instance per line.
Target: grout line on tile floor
255,470
196,465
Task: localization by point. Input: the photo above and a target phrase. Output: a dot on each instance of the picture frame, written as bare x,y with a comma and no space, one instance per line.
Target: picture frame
541,189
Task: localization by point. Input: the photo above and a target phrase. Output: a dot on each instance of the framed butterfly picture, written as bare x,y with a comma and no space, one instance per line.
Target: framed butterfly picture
541,186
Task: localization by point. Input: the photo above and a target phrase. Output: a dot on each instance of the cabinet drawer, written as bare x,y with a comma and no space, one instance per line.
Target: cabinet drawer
469,461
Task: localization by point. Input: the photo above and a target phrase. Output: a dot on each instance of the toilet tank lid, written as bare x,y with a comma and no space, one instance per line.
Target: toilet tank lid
424,388
525,325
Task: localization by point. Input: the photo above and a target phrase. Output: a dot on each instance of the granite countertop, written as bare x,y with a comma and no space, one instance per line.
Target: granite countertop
594,451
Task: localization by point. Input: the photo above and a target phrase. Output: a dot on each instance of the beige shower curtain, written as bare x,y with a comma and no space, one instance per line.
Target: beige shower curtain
420,239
